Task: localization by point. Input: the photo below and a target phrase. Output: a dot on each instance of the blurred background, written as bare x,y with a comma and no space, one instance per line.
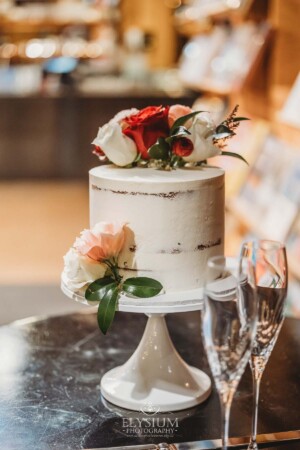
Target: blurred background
67,66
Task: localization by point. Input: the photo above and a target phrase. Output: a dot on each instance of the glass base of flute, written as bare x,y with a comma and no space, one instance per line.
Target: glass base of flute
271,287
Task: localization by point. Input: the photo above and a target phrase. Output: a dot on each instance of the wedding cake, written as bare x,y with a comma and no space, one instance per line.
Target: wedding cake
174,221
156,207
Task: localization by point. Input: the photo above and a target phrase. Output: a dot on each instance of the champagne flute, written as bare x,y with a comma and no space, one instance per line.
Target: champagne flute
228,325
270,262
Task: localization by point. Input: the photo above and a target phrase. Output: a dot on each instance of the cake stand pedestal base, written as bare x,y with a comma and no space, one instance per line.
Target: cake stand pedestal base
155,378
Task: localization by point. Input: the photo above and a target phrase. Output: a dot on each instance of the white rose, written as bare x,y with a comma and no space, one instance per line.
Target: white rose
204,123
121,115
81,270
119,149
201,131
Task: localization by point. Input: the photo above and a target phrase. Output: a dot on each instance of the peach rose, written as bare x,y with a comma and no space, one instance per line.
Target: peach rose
103,241
177,111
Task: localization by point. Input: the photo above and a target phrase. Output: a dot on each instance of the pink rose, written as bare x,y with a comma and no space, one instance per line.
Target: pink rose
177,111
103,241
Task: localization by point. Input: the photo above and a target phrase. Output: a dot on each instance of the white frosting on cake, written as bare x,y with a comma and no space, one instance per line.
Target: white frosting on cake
175,220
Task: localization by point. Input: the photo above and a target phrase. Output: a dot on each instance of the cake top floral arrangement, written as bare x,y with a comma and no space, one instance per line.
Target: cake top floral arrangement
164,137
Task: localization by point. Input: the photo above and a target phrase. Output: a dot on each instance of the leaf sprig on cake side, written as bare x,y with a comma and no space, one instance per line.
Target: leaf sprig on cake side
92,265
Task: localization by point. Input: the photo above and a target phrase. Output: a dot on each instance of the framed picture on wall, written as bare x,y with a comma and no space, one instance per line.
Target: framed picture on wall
220,62
270,196
202,9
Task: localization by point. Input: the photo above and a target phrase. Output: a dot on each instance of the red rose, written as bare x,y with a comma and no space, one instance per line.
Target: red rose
146,126
182,147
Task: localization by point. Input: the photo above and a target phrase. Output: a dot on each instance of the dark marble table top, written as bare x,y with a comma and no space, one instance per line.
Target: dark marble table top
49,385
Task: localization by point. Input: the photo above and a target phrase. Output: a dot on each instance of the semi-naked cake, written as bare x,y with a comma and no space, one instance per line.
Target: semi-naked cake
156,209
174,220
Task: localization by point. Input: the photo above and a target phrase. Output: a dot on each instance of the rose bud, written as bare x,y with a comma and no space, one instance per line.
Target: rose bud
182,147
98,152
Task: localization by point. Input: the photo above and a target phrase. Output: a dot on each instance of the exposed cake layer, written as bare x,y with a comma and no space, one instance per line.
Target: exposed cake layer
175,220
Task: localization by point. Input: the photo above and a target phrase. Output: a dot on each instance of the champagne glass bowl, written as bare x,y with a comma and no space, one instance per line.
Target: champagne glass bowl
228,325
269,258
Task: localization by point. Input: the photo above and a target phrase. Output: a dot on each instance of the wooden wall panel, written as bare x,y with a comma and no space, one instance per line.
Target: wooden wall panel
285,64
156,19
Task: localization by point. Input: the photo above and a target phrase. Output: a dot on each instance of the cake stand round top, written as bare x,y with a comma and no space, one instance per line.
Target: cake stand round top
171,302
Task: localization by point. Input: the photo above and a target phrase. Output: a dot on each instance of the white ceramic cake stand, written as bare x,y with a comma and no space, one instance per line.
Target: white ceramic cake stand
155,378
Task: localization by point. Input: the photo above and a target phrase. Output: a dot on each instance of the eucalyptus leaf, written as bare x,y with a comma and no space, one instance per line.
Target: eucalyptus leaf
142,287
98,289
182,120
107,308
159,150
235,155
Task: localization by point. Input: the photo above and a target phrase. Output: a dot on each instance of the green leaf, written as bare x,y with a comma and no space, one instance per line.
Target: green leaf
221,135
159,150
182,120
222,131
142,287
235,155
138,157
178,133
107,308
98,289
239,119
200,163
177,161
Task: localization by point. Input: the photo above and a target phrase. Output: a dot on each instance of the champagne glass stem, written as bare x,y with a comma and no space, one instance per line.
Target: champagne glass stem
226,401
256,390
